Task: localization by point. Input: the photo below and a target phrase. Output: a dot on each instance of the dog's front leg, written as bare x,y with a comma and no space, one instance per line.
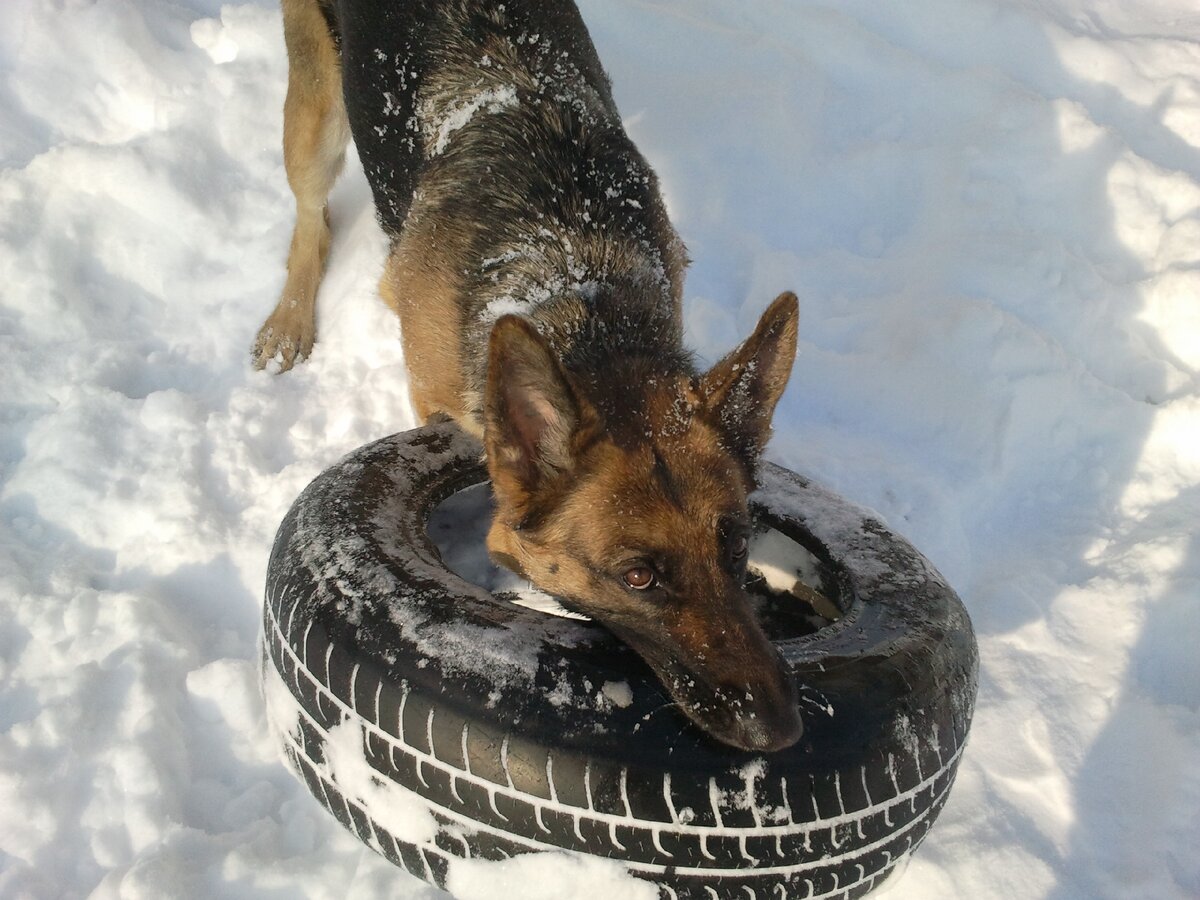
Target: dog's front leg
315,134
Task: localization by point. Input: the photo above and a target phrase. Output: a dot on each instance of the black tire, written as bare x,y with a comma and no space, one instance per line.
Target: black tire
505,722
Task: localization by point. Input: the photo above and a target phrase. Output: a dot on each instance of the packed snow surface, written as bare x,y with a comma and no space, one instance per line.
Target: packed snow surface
991,213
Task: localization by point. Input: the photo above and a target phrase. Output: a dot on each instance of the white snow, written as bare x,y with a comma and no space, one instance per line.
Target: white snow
403,814
617,693
991,213
443,123
549,876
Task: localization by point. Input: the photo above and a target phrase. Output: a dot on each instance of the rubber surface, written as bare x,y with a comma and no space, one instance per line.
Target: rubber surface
522,731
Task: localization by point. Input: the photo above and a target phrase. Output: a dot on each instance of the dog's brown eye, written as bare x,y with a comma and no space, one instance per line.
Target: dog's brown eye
739,546
639,578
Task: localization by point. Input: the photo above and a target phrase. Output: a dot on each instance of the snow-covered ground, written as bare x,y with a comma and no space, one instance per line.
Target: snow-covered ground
991,212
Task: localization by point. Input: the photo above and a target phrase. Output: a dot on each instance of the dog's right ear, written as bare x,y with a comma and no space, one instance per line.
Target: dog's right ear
742,389
532,415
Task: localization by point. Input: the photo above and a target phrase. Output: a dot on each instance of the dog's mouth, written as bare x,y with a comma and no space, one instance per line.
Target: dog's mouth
756,711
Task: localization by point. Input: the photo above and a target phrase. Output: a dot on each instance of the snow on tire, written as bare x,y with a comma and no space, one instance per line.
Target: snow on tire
438,721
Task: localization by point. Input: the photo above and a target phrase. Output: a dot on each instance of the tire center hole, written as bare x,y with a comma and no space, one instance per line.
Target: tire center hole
784,577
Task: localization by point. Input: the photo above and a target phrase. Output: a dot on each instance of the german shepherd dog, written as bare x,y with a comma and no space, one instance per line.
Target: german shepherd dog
538,283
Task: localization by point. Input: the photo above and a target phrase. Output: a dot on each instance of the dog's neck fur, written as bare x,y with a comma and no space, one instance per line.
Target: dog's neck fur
616,338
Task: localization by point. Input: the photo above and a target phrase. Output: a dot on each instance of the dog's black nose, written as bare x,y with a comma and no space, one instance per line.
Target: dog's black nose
769,730
769,717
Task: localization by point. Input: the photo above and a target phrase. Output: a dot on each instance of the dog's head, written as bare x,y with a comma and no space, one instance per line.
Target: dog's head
637,515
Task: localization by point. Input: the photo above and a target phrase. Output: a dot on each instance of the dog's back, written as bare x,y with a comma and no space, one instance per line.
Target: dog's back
410,71
490,137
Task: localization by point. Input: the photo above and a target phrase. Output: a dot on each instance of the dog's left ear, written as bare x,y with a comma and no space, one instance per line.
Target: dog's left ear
532,414
740,392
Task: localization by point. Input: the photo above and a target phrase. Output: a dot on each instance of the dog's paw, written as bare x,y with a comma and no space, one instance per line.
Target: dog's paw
282,340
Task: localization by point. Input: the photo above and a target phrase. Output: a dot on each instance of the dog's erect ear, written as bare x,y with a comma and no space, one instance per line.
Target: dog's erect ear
740,392
531,412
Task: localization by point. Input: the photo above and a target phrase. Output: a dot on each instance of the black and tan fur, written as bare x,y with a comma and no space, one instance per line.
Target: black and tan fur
538,283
